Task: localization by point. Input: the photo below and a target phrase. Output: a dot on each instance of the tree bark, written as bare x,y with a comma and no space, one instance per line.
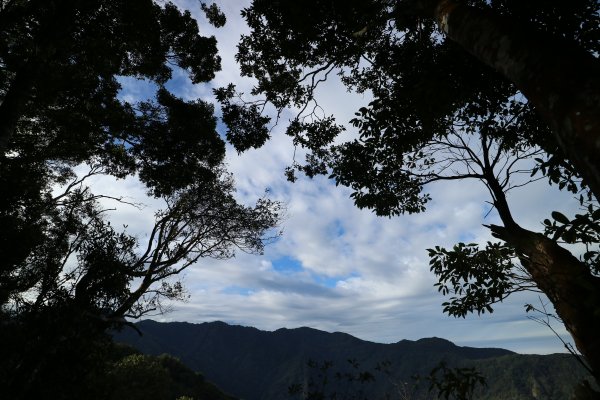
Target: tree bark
563,83
568,283
561,80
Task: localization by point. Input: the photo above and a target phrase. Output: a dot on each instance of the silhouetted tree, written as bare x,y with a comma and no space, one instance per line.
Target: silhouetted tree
440,114
325,381
66,274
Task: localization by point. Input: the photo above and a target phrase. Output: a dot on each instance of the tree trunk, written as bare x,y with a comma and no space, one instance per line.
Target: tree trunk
568,283
561,80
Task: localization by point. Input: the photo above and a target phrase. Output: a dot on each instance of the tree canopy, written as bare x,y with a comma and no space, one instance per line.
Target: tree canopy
448,103
483,90
66,274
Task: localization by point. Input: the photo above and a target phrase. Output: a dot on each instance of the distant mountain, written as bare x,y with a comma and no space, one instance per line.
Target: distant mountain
259,365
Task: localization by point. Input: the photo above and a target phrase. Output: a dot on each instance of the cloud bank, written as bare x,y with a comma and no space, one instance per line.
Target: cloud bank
338,268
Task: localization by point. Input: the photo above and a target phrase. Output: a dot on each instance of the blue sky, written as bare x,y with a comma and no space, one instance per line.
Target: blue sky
338,268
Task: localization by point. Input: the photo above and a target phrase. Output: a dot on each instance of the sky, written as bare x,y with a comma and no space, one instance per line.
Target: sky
338,268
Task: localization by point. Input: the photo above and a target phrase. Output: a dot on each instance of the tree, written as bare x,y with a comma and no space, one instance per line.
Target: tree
356,383
440,114
127,374
60,106
66,274
559,79
456,383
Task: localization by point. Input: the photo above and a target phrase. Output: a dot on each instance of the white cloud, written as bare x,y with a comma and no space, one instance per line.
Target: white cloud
363,275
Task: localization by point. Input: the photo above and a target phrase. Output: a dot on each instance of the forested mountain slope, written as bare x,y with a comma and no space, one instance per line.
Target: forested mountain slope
254,364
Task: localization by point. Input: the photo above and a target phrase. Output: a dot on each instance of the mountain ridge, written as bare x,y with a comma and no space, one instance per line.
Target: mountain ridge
260,365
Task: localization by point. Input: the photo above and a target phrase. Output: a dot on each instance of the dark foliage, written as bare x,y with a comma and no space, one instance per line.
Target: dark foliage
454,383
445,106
66,274
127,374
477,278
266,364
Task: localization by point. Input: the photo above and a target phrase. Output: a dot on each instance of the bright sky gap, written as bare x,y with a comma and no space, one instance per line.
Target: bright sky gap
338,268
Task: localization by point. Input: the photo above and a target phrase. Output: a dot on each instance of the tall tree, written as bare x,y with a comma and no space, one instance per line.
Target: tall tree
88,277
440,114
60,64
66,274
560,79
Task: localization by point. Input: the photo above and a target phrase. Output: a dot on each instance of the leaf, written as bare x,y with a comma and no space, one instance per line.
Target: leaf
558,233
560,217
570,236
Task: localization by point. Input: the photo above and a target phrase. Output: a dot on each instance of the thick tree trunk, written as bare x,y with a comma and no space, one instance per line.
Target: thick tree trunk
561,80
563,83
573,290
568,283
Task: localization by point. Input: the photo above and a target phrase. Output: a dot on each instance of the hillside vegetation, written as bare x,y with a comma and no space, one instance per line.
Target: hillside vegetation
259,365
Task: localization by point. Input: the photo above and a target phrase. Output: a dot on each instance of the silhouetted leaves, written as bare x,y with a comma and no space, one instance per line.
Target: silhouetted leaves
454,383
477,278
67,274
